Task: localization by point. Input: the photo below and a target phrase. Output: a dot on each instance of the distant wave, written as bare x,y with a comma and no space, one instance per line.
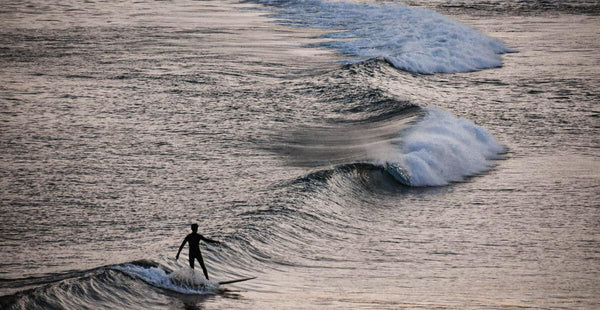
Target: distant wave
411,39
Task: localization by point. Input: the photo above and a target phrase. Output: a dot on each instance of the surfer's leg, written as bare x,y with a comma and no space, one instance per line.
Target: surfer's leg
201,261
191,259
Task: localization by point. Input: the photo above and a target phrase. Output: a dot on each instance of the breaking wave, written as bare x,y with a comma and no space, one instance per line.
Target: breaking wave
440,149
412,39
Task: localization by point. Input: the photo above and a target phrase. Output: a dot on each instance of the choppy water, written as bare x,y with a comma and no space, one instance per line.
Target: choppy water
305,136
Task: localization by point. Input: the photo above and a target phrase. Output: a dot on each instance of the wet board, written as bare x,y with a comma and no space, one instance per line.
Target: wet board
235,281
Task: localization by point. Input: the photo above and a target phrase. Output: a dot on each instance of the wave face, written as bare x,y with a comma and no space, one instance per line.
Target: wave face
412,39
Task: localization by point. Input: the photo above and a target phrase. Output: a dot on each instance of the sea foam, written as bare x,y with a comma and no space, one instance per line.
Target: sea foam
440,149
411,39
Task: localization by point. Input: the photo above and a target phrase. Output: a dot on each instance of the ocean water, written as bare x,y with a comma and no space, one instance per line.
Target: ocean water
352,155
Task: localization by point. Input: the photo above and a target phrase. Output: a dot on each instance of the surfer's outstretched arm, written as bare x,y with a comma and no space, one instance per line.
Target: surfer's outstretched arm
210,240
181,247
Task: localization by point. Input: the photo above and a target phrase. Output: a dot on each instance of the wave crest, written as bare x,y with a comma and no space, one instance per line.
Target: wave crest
440,149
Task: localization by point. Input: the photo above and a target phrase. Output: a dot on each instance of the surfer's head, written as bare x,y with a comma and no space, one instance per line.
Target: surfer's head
195,227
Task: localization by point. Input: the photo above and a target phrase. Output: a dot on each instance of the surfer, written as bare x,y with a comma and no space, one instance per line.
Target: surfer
194,240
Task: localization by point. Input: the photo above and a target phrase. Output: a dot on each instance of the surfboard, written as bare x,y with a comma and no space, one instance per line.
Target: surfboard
236,280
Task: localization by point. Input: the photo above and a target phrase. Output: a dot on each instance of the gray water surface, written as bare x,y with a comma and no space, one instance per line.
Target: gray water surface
122,123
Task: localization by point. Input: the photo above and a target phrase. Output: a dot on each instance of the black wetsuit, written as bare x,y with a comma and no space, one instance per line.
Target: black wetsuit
194,240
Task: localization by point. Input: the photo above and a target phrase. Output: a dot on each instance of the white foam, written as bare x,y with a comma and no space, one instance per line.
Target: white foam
192,279
184,280
412,39
440,149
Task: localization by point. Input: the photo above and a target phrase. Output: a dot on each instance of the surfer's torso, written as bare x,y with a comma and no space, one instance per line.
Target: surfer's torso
194,241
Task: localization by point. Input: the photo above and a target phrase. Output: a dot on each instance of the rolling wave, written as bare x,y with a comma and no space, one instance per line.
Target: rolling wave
411,39
429,148
116,286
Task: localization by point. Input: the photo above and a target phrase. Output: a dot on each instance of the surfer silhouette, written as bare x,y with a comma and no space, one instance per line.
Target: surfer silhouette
194,240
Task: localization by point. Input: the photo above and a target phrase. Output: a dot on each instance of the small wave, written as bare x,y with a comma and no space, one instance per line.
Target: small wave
411,39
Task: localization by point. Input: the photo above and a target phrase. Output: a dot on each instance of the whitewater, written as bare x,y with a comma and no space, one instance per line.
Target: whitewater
412,39
352,155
